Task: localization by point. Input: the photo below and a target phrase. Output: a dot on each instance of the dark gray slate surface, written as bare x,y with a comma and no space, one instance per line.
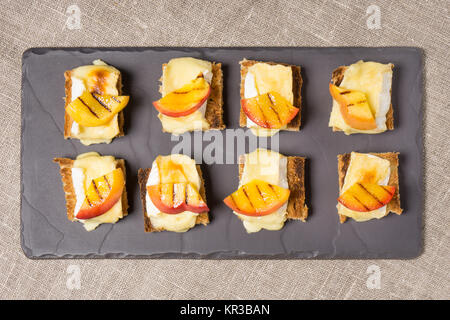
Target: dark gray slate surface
46,232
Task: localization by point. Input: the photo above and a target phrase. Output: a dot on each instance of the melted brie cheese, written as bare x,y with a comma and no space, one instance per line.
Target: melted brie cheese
102,134
180,222
262,78
365,168
100,78
177,73
195,121
269,166
180,71
373,79
87,167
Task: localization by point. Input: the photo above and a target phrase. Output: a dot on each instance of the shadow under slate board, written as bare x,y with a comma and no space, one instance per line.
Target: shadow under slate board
47,233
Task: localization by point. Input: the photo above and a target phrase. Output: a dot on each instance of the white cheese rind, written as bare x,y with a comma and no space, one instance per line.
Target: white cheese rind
77,88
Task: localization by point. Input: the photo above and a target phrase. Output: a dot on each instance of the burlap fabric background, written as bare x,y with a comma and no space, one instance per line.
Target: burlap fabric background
25,24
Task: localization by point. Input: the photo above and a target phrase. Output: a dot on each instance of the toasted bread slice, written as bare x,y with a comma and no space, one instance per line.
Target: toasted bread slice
295,123
214,106
394,204
202,218
66,166
336,78
296,209
68,121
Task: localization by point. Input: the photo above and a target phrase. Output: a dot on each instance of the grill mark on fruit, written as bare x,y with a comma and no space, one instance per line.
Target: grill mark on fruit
92,111
273,189
186,194
173,193
107,182
96,190
273,109
370,194
357,103
115,99
249,200
101,102
89,202
345,92
186,92
260,193
263,115
387,190
360,202
234,202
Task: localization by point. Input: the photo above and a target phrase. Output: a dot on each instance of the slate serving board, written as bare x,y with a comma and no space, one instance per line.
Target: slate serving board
46,232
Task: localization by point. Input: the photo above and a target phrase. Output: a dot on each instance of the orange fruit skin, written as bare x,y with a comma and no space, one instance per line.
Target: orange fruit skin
179,202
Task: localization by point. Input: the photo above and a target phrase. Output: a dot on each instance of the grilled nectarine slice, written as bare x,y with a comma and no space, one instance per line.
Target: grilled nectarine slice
257,198
185,100
173,198
354,108
269,110
365,197
93,110
102,194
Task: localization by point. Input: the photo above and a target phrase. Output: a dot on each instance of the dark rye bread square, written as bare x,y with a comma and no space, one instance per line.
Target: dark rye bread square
394,204
68,121
66,166
214,105
202,218
296,209
297,82
336,78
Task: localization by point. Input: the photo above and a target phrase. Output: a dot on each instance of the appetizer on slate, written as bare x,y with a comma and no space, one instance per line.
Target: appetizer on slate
94,103
191,96
173,194
94,187
271,190
270,97
368,185
361,96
